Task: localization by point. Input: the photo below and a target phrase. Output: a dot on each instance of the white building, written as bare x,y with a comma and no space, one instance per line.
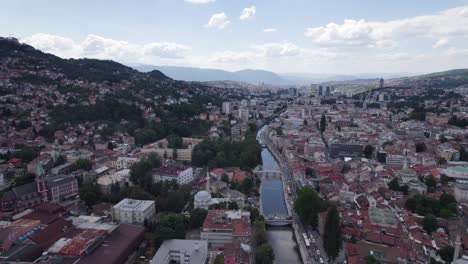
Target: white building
121,177
395,160
123,162
203,199
226,108
132,211
181,251
460,191
181,174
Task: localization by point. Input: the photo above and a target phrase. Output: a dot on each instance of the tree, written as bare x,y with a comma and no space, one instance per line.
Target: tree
368,151
346,167
430,182
89,193
219,259
394,185
259,235
308,205
323,123
60,160
332,236
463,154
197,217
420,147
370,259
175,142
446,253
110,145
310,172
430,223
305,122
225,178
264,254
444,179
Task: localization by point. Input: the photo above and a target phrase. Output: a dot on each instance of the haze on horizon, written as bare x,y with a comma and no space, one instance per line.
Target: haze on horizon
301,36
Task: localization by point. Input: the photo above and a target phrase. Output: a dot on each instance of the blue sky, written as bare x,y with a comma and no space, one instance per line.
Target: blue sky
307,36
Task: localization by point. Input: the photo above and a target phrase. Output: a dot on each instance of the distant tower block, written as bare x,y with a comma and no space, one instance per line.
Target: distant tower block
382,83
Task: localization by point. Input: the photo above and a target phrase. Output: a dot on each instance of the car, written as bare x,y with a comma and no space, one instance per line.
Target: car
321,260
318,252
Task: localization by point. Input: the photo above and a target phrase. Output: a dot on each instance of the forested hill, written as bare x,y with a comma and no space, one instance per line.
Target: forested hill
48,93
20,56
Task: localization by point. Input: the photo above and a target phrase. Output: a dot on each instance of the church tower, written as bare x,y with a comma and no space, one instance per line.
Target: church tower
41,182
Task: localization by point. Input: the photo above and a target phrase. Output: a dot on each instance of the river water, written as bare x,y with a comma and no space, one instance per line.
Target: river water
273,202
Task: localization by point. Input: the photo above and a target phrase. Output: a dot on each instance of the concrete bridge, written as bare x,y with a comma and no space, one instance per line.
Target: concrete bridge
278,220
265,174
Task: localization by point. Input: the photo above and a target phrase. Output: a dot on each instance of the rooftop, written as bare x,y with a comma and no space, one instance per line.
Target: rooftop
134,205
382,216
196,249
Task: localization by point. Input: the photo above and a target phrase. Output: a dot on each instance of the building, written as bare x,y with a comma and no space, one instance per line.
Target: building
161,147
52,188
292,91
339,149
394,160
328,91
222,227
181,251
61,187
181,174
226,108
120,177
320,90
460,191
406,175
381,83
456,172
123,162
132,211
244,114
203,199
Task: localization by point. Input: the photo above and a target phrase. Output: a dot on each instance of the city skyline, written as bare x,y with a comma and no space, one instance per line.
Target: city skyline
293,37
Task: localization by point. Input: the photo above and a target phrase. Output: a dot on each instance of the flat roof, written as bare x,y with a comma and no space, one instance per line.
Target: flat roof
134,205
196,249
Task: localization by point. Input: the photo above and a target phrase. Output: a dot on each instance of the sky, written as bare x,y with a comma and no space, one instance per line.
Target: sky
284,36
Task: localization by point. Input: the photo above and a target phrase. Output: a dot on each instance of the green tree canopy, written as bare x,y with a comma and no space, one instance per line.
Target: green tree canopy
430,223
264,254
332,236
308,205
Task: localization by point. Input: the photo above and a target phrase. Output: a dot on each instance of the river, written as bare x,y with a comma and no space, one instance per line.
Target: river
273,202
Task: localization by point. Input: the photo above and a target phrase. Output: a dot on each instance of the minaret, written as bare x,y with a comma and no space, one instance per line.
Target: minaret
405,163
456,253
208,187
41,182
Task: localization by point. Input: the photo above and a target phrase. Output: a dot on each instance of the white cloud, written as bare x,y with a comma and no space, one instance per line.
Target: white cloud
60,46
94,46
231,57
218,21
278,49
248,13
269,30
200,1
441,43
355,33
